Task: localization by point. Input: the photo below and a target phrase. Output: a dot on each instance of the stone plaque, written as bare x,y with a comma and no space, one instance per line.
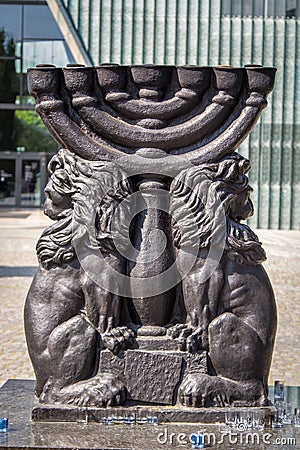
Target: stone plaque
152,376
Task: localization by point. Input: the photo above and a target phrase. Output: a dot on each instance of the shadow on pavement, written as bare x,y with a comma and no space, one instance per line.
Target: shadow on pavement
16,271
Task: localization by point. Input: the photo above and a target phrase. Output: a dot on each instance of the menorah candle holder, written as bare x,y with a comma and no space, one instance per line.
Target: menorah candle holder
150,288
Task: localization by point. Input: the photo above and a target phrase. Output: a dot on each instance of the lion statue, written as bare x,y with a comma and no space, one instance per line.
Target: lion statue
69,318
230,306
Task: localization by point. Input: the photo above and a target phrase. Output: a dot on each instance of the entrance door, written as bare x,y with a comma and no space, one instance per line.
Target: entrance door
7,182
23,177
33,178
30,183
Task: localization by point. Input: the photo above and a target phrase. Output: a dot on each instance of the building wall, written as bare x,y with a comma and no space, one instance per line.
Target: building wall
212,32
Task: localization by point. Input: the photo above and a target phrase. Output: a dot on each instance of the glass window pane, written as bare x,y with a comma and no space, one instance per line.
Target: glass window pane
226,7
258,7
39,23
45,52
276,8
42,42
237,8
281,8
247,8
9,80
10,20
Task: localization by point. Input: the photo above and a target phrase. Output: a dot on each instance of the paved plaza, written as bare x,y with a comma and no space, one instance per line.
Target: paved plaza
19,231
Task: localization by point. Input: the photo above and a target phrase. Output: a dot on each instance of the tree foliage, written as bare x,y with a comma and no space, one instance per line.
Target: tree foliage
31,133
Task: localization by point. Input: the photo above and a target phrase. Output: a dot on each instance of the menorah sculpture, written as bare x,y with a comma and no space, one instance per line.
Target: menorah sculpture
150,289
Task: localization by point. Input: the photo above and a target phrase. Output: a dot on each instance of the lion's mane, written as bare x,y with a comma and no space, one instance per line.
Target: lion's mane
94,194
201,197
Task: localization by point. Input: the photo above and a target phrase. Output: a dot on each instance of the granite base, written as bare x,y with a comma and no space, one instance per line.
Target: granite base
164,414
17,396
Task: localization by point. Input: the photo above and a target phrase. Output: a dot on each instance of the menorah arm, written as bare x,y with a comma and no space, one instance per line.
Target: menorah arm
181,103
231,138
168,138
70,135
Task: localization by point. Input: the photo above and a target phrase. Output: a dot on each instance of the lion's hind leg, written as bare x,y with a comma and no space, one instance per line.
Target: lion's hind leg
237,352
239,359
73,348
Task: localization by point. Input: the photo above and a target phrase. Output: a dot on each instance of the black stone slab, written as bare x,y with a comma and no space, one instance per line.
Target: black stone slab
165,414
17,397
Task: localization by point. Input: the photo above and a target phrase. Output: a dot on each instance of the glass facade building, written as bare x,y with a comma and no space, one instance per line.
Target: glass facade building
202,32
29,35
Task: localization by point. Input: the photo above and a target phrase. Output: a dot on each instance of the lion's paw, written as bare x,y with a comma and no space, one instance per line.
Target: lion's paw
201,390
180,333
197,341
100,391
117,339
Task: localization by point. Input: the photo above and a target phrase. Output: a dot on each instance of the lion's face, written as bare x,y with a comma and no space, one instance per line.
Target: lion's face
241,206
56,205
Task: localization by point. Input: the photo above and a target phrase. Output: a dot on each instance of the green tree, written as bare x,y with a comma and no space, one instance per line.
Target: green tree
32,134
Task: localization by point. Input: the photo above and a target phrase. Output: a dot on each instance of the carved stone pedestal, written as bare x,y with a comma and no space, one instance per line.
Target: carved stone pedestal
153,372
